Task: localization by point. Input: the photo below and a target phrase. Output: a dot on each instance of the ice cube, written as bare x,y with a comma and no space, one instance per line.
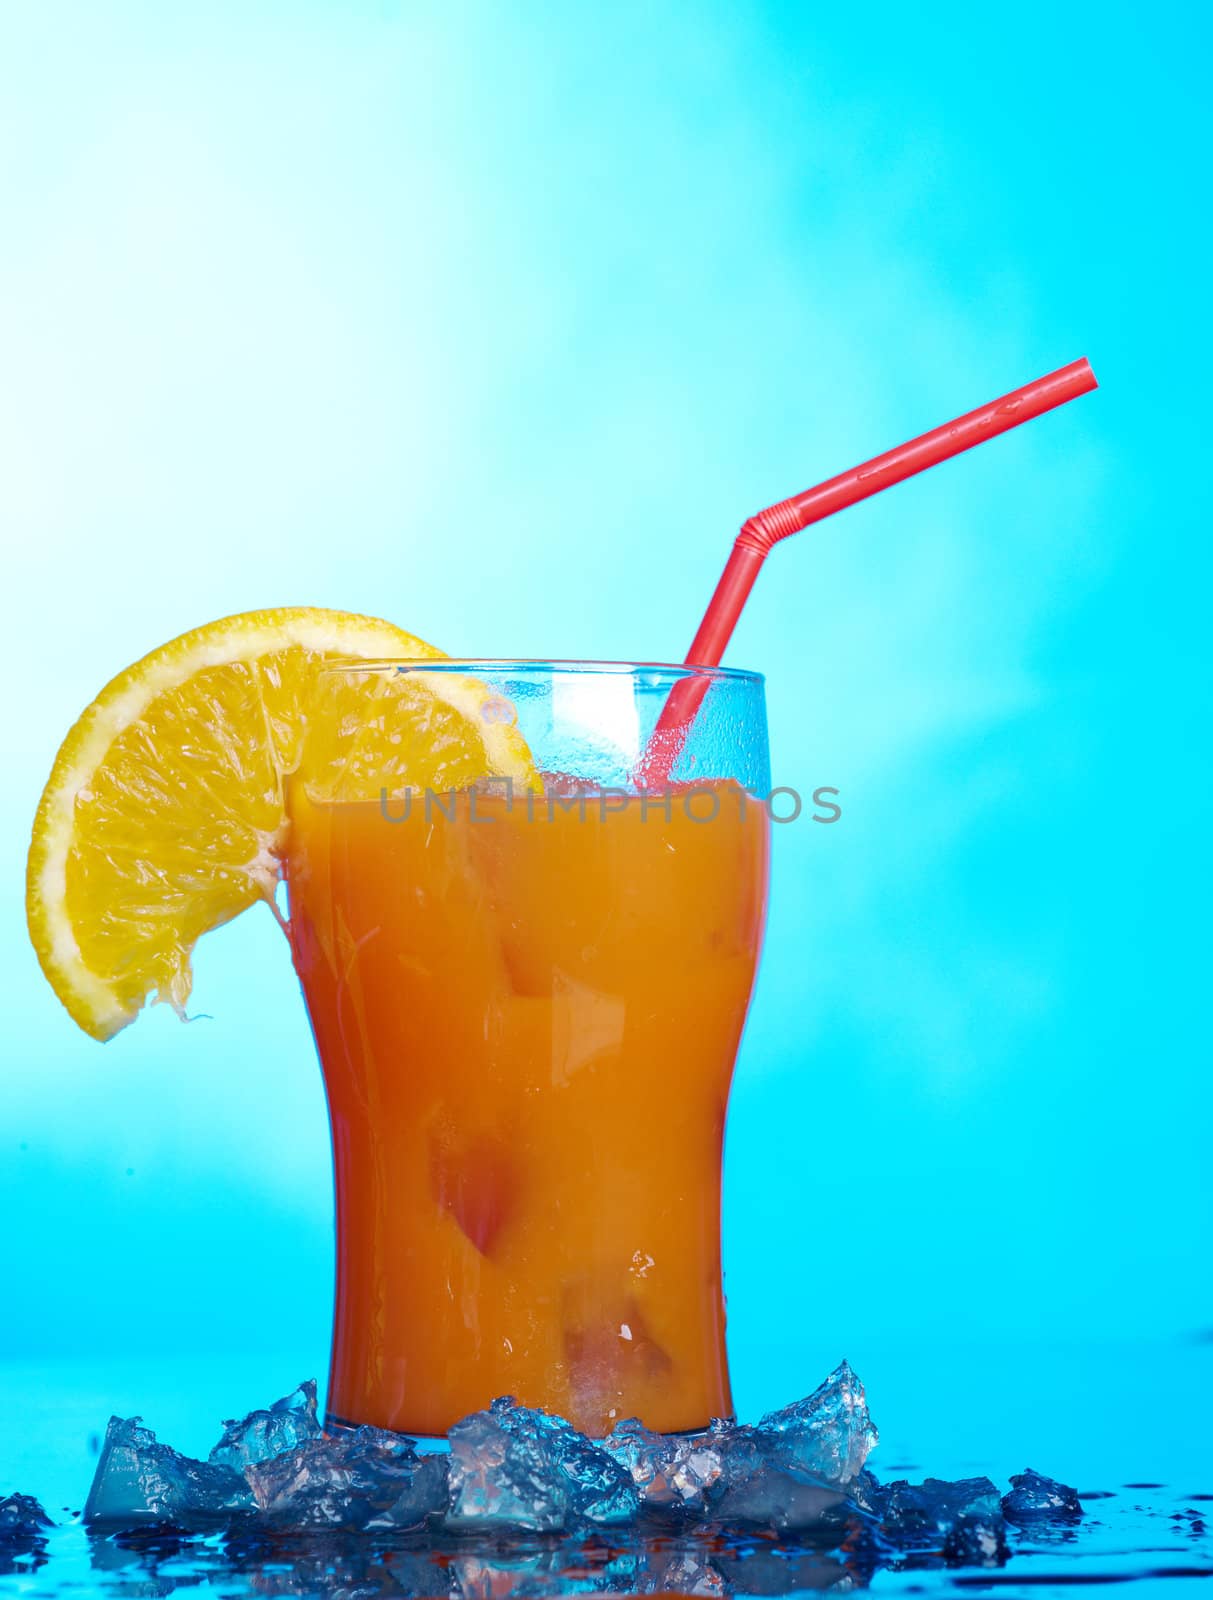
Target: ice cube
669,1472
22,1519
1035,1498
645,1455
139,1480
517,1468
789,1502
338,1482
23,1529
868,1494
827,1435
500,1481
286,1424
925,1513
426,1497
975,1541
740,1451
599,1488
695,1470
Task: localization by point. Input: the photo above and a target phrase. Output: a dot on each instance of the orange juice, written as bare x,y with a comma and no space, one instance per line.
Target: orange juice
527,1014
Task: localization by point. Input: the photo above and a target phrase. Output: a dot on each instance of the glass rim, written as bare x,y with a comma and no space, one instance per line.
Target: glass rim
534,666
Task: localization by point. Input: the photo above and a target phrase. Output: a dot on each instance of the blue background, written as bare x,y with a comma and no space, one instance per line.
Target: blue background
498,320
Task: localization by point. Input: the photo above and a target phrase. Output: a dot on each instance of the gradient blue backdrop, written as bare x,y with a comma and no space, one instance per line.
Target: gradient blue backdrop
497,320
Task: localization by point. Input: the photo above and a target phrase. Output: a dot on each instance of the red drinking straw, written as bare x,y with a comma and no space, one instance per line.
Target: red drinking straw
762,531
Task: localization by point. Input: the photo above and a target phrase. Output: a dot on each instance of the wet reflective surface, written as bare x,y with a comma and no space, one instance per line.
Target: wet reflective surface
1147,1536
1148,1526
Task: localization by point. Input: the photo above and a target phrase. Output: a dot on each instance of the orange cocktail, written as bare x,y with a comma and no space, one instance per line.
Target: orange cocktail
527,1011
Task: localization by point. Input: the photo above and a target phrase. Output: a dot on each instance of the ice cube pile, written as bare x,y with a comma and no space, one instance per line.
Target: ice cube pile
799,1472
24,1526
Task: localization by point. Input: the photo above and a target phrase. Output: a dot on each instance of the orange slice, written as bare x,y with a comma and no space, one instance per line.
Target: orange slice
165,816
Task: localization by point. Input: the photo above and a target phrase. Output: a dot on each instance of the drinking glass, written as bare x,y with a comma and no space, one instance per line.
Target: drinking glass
527,1000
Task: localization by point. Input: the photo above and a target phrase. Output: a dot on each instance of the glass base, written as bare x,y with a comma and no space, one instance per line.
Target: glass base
439,1443
426,1444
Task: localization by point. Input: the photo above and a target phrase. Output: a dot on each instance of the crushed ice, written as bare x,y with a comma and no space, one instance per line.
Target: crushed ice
799,1471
